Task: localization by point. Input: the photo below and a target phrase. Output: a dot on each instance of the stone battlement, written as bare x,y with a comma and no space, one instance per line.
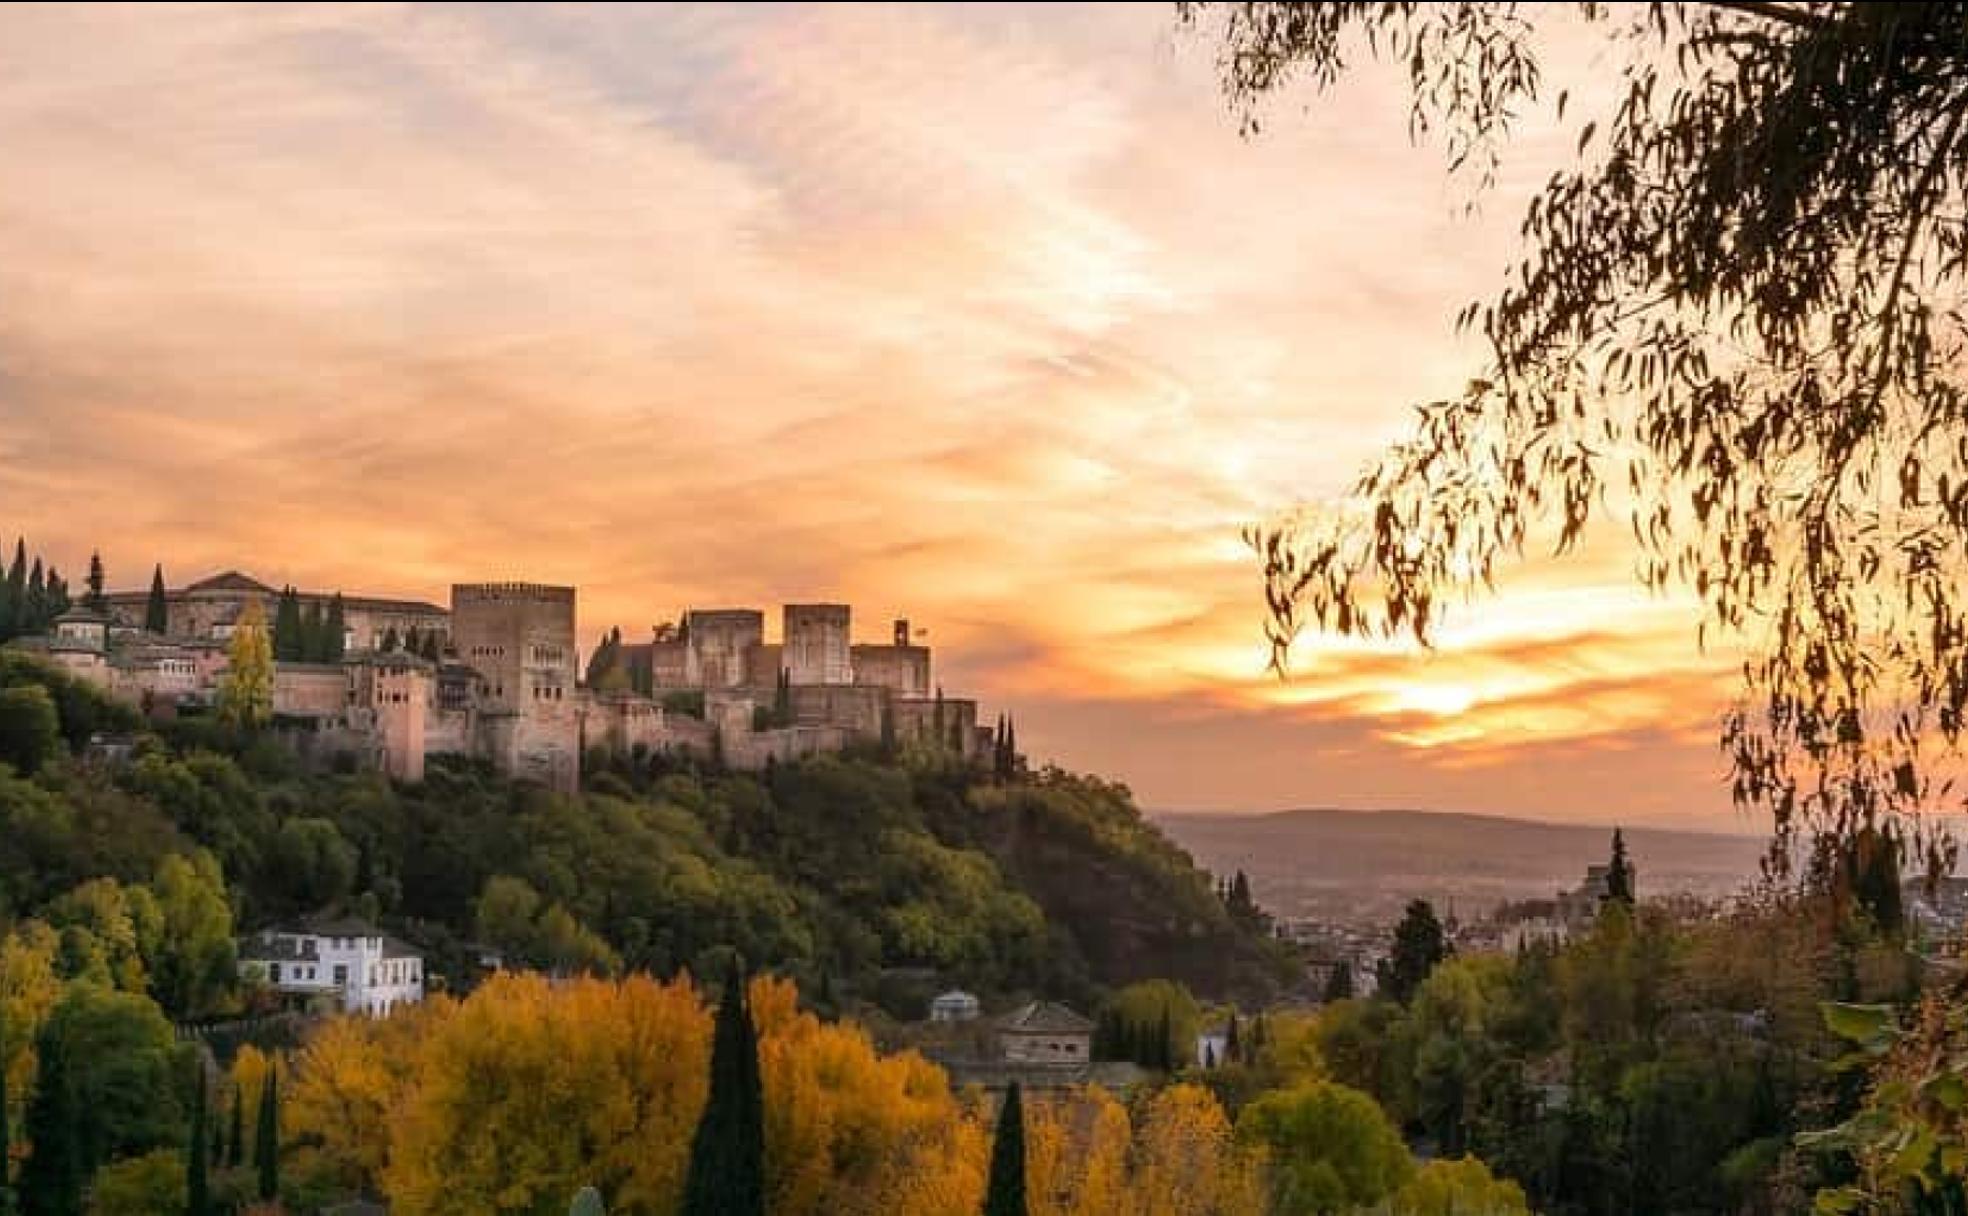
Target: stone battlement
537,592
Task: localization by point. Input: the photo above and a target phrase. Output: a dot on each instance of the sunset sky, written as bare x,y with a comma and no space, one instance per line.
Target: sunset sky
986,317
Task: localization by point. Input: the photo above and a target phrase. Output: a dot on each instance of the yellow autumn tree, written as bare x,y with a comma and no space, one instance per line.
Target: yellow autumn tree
245,696
1187,1161
850,1130
531,1089
1076,1153
247,1081
349,1080
29,989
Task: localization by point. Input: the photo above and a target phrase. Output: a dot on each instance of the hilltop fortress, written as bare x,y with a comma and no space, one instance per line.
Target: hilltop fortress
506,685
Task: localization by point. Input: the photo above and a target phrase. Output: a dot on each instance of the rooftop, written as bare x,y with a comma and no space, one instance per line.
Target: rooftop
1045,1017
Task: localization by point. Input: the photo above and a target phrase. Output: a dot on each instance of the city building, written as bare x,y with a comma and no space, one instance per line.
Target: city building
955,1005
1045,1033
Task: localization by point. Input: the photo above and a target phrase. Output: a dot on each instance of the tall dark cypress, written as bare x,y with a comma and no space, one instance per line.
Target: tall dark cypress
51,1181
95,601
235,1153
336,629
727,1155
1005,1196
57,592
157,611
288,644
6,1137
15,601
198,1192
266,1141
314,634
35,618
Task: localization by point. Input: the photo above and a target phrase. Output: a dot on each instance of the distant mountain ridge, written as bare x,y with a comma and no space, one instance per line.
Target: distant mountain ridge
1354,864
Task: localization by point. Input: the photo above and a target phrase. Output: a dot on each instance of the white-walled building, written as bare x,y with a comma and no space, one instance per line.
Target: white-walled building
955,1005
351,963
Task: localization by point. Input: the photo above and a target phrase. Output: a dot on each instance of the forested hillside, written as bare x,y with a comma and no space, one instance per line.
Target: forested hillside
841,872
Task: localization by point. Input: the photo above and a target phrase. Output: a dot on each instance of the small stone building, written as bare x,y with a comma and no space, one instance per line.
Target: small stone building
1044,1032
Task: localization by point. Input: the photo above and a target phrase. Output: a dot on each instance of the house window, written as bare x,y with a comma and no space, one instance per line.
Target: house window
341,975
273,972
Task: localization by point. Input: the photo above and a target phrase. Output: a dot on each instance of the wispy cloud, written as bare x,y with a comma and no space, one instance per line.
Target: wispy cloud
983,316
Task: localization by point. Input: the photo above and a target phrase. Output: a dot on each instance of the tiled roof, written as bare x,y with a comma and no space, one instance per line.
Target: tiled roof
232,580
1045,1017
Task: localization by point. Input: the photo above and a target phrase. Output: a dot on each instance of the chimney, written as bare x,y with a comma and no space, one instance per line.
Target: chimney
901,631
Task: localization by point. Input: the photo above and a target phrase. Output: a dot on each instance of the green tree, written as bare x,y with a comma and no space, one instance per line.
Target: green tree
57,591
195,963
6,1128
1005,1192
1339,984
289,641
726,1176
314,634
1329,1148
1419,944
13,600
30,727
1738,308
139,1186
245,696
36,617
107,1088
198,1196
1619,872
390,640
266,1138
94,601
157,611
235,1154
335,630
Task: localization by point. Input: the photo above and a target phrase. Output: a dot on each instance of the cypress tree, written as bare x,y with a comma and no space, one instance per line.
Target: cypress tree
235,1153
35,617
6,1138
1165,1043
433,649
266,1141
314,634
1619,872
51,1181
336,629
95,600
1006,1193
16,599
390,640
888,732
1233,1049
157,611
1011,746
198,1195
288,644
58,601
727,1155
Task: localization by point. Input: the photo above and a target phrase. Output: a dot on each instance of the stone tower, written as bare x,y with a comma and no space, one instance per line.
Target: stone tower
520,639
816,644
716,643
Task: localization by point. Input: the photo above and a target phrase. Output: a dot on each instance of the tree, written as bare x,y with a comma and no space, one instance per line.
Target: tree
198,1196
36,616
390,640
94,601
195,961
139,1186
335,630
314,634
13,595
235,1152
1462,1187
6,1133
1005,1193
57,592
245,695
1738,309
30,728
1619,872
1419,944
1339,984
727,1154
107,1088
1330,1148
157,611
289,642
266,1138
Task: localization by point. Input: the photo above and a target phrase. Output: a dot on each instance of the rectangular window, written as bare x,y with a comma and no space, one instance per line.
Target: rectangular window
341,975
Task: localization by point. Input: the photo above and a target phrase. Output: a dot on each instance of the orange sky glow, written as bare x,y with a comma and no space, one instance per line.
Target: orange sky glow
983,316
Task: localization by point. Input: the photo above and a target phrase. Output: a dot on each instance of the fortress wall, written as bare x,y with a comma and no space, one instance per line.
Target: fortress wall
854,709
904,670
716,643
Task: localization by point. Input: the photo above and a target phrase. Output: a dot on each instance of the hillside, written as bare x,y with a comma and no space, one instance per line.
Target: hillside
1363,865
866,877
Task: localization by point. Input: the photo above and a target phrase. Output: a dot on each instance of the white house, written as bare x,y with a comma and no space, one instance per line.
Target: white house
955,1005
351,963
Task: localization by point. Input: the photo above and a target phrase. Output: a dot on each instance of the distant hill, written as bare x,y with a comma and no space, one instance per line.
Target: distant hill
1361,866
